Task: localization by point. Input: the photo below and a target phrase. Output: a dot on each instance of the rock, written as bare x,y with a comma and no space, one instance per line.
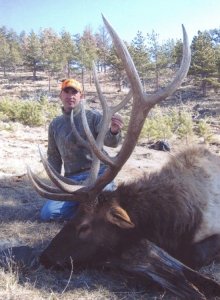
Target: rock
10,242
22,256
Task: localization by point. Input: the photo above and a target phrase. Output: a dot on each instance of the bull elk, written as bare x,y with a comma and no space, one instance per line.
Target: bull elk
176,209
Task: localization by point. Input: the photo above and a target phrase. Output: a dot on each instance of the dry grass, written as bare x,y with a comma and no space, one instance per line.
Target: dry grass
20,207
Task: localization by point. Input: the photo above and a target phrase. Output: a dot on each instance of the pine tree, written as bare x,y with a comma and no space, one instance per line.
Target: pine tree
215,35
15,58
86,52
140,56
10,50
68,49
203,63
185,130
32,55
176,53
4,54
204,130
52,56
116,67
23,41
89,44
159,57
103,43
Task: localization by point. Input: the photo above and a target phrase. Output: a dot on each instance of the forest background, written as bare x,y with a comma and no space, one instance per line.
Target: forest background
64,55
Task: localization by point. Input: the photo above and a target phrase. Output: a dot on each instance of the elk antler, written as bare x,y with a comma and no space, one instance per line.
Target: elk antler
142,103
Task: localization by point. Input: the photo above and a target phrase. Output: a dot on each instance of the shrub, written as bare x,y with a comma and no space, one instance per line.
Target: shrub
32,113
204,131
185,130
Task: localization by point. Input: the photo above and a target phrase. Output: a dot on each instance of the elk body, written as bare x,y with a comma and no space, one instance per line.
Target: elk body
177,208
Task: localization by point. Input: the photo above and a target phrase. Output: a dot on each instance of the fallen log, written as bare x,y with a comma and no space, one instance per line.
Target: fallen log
149,260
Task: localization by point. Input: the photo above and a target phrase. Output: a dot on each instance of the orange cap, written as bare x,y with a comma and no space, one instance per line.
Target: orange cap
71,83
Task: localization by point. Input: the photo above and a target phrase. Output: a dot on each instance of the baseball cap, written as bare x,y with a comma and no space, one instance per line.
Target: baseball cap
71,83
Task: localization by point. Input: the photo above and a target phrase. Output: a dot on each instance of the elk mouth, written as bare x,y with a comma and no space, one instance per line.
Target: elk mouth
49,263
68,263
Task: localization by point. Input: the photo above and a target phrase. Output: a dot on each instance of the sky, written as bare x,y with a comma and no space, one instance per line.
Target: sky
127,17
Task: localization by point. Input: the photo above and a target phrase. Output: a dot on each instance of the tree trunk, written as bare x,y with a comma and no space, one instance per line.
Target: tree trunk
68,70
157,79
204,89
83,79
119,84
104,63
49,82
35,71
4,71
149,260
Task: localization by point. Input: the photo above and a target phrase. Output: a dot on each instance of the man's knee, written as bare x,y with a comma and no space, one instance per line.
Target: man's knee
46,212
59,210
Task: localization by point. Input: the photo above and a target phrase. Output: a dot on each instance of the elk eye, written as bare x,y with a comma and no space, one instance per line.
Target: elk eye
83,228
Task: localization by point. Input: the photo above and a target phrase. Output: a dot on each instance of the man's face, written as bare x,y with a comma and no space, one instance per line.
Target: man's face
70,98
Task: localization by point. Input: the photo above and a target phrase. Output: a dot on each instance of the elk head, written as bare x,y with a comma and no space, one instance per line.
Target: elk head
101,227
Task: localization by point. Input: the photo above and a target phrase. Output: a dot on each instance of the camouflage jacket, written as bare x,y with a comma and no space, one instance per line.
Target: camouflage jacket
63,147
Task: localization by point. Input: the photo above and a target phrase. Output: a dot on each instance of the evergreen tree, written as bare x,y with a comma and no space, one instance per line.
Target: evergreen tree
215,35
15,49
10,55
86,52
177,53
4,54
52,56
185,130
116,67
204,130
68,49
32,55
140,56
89,45
203,62
217,61
23,41
103,43
159,57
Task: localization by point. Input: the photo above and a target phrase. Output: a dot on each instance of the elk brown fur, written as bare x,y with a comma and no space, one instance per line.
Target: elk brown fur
177,208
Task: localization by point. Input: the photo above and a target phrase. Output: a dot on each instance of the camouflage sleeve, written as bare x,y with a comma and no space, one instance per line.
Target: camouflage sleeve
53,154
111,140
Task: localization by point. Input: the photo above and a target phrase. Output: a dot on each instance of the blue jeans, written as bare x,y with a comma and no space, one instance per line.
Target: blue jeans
65,210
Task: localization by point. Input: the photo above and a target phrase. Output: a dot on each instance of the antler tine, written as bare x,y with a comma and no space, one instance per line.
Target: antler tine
125,57
181,74
99,91
65,184
35,179
96,145
47,193
126,99
142,103
108,112
79,138
133,76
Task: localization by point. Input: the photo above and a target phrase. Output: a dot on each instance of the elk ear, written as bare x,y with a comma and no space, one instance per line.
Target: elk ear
118,216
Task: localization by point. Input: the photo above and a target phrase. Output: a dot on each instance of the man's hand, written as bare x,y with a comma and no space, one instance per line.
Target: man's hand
117,123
